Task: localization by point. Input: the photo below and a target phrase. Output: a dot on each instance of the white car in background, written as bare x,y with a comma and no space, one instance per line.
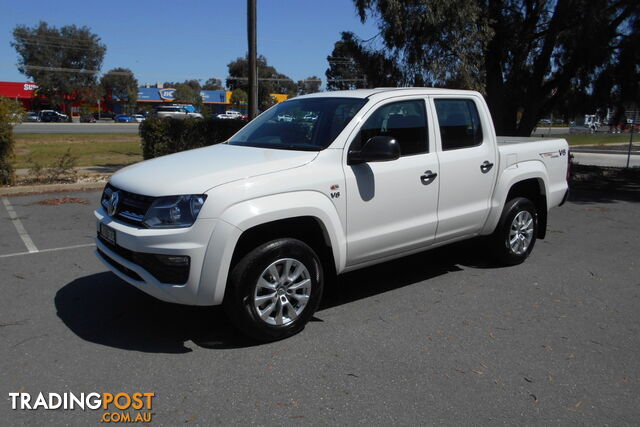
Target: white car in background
230,115
176,112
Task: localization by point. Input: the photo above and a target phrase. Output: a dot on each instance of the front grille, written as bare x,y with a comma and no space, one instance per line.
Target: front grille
168,274
132,207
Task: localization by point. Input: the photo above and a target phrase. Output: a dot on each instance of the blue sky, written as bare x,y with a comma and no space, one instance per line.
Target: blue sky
178,40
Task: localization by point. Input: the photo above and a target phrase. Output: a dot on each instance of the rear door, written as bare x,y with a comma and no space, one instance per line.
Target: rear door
467,153
392,206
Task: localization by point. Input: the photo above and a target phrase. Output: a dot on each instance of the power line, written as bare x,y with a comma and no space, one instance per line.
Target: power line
62,70
124,73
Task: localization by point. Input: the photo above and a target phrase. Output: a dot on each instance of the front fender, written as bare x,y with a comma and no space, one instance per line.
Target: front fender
249,213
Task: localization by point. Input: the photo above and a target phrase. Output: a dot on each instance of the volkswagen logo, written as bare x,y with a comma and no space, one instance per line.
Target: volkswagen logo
112,204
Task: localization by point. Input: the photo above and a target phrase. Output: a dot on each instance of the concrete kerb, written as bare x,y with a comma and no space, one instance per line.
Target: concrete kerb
25,190
90,178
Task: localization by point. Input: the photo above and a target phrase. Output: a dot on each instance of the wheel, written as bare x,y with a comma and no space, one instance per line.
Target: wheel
515,235
274,290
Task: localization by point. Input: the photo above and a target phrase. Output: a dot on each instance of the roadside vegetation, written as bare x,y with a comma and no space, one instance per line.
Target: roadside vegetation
598,139
166,136
86,149
10,113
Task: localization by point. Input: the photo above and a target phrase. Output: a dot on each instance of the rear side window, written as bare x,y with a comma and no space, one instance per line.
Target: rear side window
459,123
405,121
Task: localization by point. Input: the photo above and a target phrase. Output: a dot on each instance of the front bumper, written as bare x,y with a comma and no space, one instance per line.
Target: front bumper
202,286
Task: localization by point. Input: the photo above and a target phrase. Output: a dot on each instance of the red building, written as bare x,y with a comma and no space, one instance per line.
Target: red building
27,94
24,92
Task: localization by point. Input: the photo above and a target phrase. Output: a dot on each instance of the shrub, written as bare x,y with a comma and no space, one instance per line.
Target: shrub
10,113
62,169
167,136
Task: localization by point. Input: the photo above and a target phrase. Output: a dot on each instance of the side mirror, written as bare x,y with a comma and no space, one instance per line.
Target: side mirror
376,149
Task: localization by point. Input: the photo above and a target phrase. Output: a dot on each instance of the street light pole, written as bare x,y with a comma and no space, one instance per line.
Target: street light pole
253,62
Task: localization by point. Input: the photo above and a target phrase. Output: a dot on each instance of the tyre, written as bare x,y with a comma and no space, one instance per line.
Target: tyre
274,290
516,233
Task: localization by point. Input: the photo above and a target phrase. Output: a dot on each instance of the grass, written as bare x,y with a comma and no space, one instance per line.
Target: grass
591,139
89,149
599,139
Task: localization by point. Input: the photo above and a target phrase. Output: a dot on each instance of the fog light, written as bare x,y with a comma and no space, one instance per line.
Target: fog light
175,214
173,260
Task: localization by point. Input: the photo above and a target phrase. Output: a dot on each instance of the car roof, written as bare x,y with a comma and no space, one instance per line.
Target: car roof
386,92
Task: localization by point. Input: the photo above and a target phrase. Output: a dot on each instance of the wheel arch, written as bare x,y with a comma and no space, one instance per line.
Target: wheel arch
260,217
309,216
307,229
534,190
526,179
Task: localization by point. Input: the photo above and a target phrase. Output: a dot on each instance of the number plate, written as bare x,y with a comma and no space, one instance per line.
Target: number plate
108,234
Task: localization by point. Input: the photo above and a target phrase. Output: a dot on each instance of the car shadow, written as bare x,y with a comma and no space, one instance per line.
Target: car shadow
583,196
103,309
409,270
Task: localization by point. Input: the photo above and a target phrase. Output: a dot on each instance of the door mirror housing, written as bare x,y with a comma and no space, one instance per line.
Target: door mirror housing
376,149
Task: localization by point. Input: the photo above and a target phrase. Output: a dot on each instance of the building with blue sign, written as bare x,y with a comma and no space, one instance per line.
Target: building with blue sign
152,96
219,100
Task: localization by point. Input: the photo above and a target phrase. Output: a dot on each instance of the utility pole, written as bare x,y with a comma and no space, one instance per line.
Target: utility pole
633,123
253,62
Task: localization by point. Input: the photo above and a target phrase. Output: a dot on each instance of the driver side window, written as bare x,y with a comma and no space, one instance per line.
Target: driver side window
404,121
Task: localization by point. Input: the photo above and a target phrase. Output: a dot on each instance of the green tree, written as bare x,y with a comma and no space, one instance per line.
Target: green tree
121,83
186,94
11,112
618,85
212,84
269,80
309,85
238,96
353,66
64,61
524,55
192,83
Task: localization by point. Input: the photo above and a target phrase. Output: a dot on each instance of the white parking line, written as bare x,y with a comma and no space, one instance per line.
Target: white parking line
64,248
31,247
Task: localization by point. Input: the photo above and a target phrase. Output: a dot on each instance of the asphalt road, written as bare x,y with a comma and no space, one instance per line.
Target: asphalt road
441,337
618,159
99,127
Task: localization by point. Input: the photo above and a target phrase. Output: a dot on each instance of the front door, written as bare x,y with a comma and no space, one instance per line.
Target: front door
392,206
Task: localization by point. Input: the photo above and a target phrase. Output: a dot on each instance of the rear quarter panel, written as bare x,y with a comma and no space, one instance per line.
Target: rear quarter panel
525,158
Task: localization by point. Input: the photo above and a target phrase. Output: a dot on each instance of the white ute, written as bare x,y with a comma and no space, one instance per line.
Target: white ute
258,222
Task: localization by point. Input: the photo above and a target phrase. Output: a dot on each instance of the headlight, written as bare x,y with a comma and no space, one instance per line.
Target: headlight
174,211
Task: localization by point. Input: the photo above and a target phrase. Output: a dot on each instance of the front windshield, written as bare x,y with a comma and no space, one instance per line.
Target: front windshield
308,124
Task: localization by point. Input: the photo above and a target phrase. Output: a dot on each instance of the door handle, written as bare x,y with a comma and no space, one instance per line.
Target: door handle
486,166
428,177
